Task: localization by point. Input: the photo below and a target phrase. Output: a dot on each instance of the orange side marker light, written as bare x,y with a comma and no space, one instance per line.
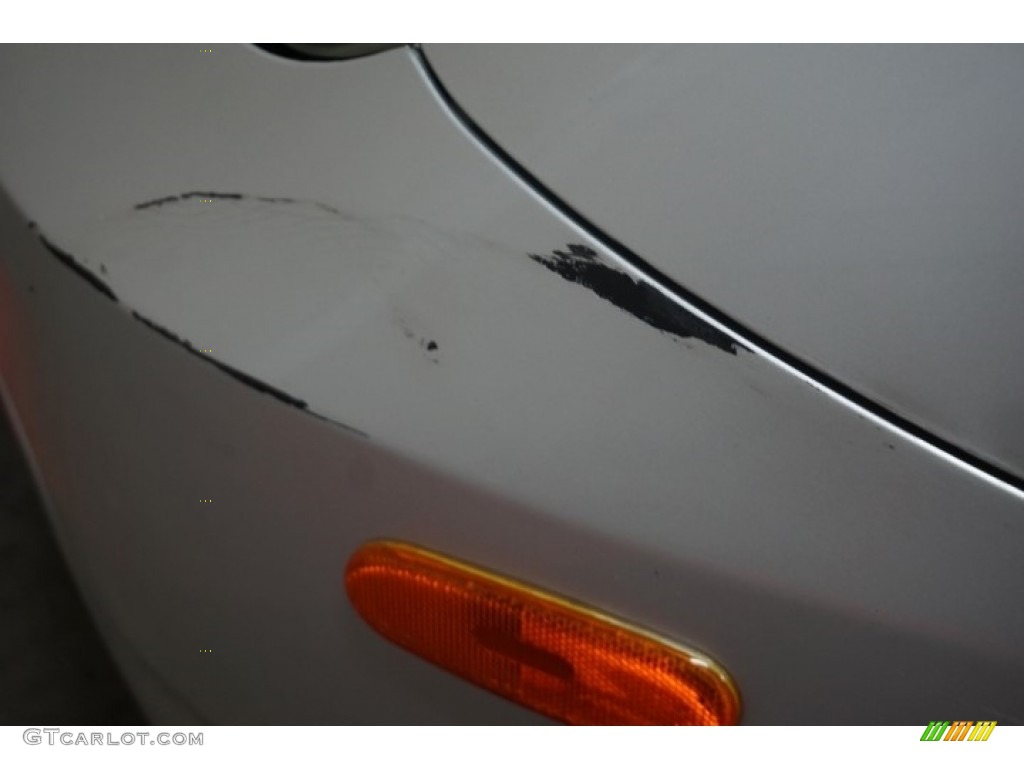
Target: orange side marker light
562,659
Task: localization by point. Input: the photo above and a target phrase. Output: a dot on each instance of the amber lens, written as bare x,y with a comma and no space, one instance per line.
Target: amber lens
564,660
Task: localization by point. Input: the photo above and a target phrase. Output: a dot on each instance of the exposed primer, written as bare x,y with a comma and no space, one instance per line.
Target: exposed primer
69,261
581,265
236,196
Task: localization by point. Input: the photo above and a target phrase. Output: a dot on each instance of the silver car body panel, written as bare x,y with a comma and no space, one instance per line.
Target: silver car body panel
309,241
857,205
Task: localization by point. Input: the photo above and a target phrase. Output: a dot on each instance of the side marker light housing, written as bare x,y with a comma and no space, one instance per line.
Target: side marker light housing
564,660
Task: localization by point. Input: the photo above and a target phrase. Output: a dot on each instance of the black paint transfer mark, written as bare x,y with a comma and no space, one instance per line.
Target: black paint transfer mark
581,265
237,196
69,261
188,196
431,347
157,203
233,372
213,195
294,201
428,345
245,378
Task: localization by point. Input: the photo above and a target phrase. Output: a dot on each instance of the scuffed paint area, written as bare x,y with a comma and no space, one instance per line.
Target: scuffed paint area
580,264
101,286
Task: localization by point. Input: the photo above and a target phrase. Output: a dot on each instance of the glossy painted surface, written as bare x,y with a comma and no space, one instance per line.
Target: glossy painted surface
858,205
512,418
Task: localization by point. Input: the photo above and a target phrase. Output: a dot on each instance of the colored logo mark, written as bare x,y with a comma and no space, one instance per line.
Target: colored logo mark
958,730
